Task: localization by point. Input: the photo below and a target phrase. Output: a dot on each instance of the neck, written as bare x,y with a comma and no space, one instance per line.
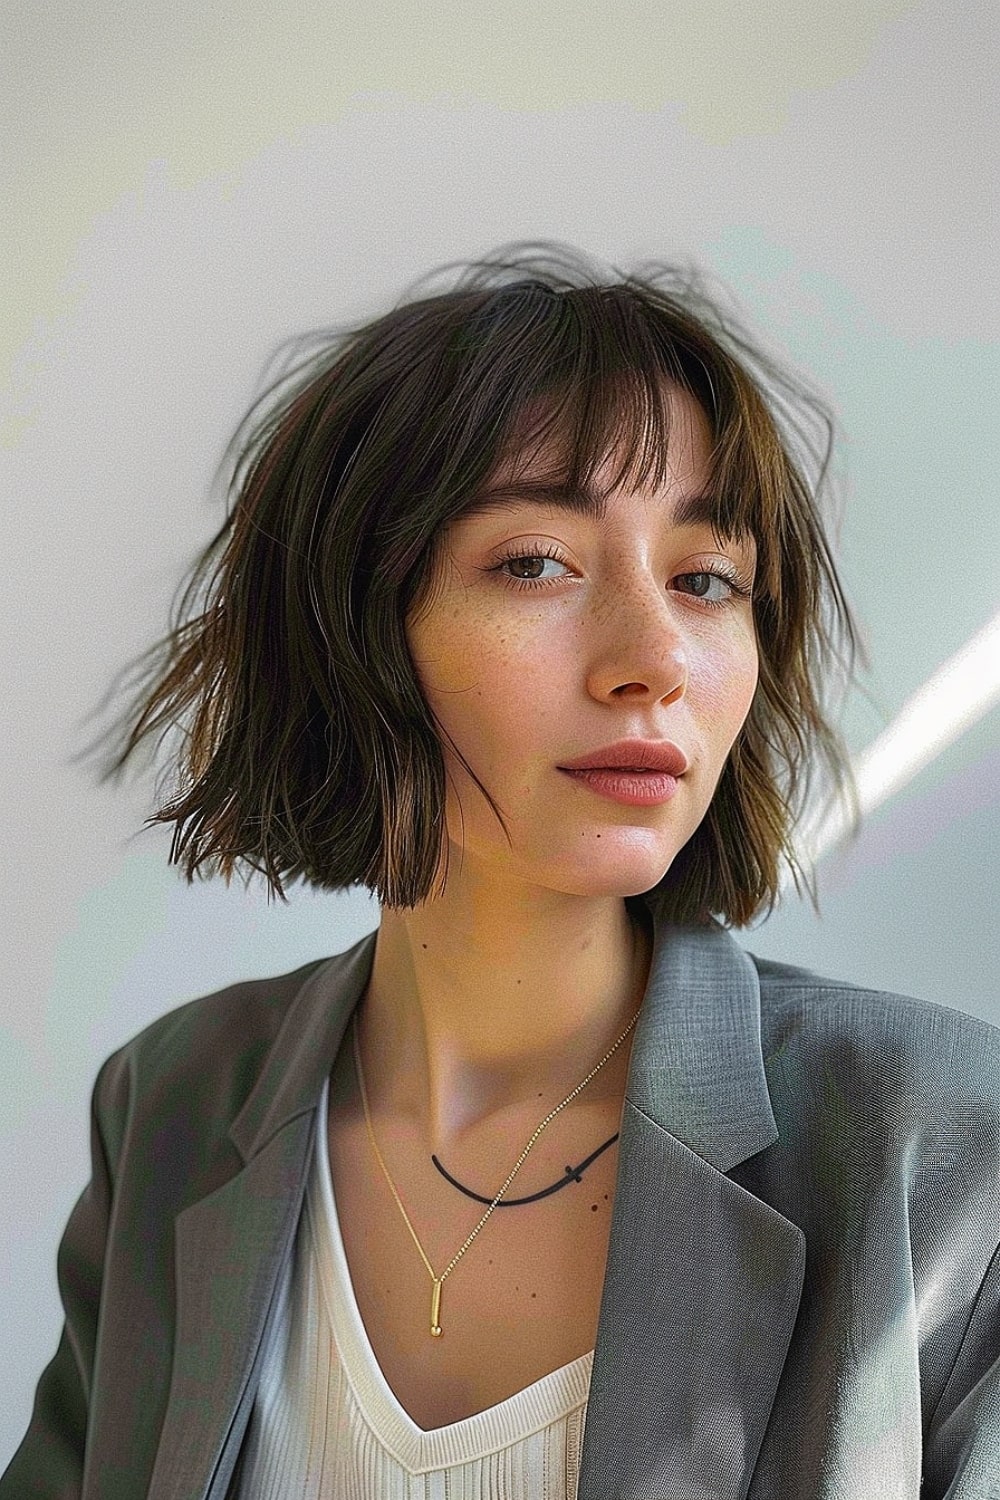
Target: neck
497,1012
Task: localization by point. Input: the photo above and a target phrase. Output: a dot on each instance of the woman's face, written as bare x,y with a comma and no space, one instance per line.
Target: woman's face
633,629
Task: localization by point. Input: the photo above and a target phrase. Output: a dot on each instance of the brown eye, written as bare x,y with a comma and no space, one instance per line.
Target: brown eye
532,566
531,576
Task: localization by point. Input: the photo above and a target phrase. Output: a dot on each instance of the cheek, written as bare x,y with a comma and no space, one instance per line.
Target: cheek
487,679
727,681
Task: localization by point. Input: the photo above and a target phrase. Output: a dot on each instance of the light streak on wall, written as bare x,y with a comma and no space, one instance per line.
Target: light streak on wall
956,696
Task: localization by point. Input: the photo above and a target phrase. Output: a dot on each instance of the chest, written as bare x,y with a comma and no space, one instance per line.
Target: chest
524,1297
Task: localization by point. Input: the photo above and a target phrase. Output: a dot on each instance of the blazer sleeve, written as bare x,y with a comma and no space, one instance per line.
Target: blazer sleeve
962,1449
49,1463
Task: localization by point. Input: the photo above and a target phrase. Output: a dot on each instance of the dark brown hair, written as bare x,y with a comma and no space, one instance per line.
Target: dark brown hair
311,753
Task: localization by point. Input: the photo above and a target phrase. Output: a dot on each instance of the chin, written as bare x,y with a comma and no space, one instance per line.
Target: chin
609,873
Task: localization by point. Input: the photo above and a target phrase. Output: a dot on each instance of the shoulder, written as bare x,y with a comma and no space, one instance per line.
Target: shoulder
825,1003
232,1025
199,1060
895,1054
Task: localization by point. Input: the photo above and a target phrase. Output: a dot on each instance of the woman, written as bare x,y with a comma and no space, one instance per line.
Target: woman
522,620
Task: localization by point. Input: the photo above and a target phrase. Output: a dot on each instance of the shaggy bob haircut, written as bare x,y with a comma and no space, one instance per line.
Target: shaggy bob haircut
308,750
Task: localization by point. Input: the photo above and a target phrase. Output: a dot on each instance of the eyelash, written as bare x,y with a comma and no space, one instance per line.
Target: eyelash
728,575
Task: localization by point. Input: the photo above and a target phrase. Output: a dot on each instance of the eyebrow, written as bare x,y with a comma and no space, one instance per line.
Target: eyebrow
700,509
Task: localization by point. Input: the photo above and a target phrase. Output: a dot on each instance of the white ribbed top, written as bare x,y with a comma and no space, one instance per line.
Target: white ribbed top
327,1426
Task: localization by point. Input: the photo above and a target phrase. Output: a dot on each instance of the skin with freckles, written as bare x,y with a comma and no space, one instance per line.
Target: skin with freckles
488,1004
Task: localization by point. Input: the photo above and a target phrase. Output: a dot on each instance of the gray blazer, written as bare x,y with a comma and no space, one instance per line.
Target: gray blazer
802,1293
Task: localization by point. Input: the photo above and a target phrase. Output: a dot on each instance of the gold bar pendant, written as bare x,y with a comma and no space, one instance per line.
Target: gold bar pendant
436,1310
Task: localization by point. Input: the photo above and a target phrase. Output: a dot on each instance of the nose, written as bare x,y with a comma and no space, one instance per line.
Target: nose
641,653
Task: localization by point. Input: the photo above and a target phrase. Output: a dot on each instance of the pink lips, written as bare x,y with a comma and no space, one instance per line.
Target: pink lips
635,772
634,789
631,755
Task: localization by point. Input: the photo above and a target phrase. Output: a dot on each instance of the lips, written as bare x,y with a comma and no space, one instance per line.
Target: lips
632,755
632,788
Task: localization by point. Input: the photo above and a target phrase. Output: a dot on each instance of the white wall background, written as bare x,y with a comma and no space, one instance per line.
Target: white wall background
189,184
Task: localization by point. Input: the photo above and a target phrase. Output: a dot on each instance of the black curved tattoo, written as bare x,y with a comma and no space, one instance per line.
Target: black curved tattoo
573,1174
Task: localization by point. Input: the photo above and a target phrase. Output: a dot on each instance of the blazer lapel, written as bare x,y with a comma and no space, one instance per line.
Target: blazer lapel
703,1280
230,1247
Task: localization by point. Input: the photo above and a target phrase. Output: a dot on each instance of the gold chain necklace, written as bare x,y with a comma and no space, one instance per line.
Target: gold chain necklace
436,1281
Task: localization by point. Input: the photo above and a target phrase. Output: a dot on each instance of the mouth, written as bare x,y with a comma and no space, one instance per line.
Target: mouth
633,788
634,757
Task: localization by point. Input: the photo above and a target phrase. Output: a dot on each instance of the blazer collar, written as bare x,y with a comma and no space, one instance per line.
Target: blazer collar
697,1065
305,1048
696,1069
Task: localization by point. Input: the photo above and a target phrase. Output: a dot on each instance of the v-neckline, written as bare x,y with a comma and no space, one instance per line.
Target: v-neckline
527,1411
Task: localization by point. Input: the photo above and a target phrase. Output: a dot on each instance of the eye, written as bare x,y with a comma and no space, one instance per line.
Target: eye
713,586
536,555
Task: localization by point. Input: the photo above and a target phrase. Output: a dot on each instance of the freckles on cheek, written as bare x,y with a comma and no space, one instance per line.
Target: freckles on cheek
478,662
